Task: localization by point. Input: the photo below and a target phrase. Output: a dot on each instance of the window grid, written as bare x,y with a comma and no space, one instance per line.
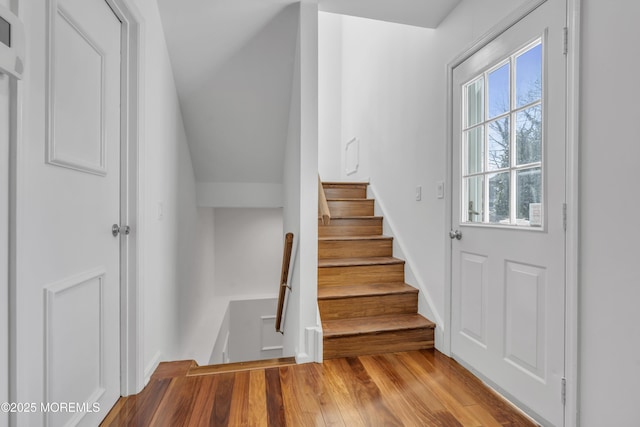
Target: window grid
513,167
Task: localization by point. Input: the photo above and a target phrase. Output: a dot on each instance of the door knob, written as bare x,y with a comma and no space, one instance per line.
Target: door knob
455,235
116,229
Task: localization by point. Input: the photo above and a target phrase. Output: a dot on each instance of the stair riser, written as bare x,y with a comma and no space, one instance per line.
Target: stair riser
351,207
379,305
361,274
351,227
379,342
346,192
355,248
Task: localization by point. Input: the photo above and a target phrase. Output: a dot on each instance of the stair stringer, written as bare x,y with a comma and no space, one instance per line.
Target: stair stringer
425,308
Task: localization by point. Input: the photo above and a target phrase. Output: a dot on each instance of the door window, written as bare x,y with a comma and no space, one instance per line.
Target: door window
502,136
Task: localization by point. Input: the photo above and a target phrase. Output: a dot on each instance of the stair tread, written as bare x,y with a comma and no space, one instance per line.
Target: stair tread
349,199
357,217
344,183
374,324
352,238
362,290
240,366
348,262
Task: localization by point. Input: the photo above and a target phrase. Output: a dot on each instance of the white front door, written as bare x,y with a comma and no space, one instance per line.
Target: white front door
508,194
67,294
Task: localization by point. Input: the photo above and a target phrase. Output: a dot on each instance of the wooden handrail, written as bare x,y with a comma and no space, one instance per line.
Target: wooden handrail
284,278
323,207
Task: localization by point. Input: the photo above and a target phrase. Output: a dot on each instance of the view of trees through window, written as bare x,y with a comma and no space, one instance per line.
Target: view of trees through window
503,141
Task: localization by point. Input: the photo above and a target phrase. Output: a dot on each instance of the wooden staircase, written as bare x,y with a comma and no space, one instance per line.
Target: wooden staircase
365,305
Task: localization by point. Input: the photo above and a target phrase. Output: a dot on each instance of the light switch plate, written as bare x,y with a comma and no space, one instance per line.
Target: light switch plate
440,189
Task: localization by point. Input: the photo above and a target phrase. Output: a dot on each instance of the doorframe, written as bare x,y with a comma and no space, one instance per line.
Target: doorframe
571,196
131,194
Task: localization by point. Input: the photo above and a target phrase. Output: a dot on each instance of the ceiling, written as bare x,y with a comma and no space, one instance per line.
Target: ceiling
233,64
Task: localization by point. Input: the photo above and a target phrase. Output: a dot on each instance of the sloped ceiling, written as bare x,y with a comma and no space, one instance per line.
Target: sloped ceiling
233,63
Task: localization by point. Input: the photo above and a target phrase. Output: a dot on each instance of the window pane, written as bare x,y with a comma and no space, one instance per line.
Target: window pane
475,150
499,91
498,144
499,197
529,76
475,102
473,202
529,135
529,191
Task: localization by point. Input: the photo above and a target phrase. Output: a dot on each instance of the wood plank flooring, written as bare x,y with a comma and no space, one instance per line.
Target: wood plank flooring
415,388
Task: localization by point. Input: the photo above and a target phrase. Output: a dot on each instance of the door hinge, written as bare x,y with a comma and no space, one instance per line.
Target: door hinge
564,216
565,40
563,393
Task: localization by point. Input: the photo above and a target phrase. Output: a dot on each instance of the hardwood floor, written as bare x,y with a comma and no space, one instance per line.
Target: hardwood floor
415,388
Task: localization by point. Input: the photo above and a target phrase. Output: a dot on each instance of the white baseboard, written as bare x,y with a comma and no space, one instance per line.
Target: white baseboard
313,346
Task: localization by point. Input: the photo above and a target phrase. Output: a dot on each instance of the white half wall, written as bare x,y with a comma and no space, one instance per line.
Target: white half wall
301,327
220,352
252,333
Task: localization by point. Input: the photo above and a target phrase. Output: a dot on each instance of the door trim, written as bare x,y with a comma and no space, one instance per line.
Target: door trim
572,189
131,192
572,325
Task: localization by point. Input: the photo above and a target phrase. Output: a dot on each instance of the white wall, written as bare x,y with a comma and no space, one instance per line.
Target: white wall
609,281
170,281
239,195
301,328
329,96
196,293
248,252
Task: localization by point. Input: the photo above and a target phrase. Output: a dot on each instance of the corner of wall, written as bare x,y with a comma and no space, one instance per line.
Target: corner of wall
152,366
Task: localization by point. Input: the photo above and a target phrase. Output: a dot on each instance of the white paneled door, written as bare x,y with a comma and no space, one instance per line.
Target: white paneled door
69,277
508,195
